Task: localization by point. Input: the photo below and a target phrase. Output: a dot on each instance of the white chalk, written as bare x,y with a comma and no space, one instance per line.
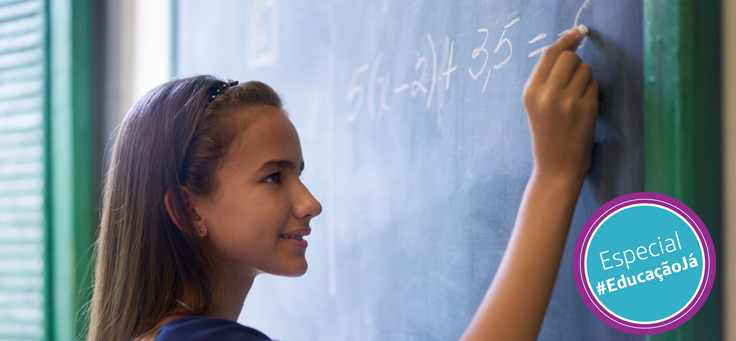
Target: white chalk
583,31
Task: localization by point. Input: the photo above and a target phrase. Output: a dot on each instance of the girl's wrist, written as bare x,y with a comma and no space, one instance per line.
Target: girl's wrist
560,180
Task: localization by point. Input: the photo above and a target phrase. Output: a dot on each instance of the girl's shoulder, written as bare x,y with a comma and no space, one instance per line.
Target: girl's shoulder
193,328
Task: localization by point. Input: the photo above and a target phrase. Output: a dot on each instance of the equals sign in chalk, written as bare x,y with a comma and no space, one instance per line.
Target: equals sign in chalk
583,32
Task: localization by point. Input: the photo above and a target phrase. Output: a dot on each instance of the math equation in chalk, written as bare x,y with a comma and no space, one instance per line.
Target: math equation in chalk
371,88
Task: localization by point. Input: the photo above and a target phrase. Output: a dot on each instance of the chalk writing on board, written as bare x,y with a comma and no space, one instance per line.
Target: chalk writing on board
355,92
507,41
537,38
577,19
476,53
450,68
576,23
434,70
385,81
418,84
426,73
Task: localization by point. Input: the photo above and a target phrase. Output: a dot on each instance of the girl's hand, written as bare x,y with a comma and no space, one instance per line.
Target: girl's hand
561,100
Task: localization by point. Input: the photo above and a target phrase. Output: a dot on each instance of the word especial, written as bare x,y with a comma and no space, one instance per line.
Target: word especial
642,251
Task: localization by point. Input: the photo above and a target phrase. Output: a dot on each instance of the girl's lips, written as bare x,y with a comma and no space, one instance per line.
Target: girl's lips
300,232
298,242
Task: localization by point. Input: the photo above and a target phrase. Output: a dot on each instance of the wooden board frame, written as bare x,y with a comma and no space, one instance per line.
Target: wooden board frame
682,127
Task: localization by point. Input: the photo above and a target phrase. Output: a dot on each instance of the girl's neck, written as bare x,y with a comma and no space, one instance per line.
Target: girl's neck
236,285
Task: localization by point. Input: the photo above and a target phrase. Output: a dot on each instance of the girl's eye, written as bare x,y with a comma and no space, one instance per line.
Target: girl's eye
274,178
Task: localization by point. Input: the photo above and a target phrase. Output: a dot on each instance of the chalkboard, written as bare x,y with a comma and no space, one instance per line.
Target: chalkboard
417,144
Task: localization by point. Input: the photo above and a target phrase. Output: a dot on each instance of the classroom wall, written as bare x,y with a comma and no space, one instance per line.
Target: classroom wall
119,60
728,60
138,38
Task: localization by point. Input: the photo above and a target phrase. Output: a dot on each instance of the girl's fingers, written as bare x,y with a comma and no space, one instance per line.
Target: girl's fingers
564,67
591,93
580,79
567,42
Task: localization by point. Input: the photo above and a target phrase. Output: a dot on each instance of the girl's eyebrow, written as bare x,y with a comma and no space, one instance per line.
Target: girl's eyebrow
281,164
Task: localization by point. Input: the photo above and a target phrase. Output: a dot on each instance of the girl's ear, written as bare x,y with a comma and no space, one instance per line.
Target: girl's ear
191,211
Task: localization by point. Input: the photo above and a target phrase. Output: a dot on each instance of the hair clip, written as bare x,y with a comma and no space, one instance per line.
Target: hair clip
221,90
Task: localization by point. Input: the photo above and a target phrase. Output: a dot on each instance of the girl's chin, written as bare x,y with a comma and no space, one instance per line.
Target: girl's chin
302,270
294,271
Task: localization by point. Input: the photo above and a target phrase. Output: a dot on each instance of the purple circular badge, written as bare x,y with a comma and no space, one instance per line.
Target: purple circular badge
644,263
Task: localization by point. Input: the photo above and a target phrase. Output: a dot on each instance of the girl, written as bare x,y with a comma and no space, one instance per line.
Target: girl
204,194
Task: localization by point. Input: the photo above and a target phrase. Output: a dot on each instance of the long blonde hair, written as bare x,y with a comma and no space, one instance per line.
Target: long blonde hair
143,261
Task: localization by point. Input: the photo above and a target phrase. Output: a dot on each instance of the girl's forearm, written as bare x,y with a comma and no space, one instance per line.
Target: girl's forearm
515,304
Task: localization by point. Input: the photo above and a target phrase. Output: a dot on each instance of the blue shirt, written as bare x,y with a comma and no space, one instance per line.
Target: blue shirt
195,328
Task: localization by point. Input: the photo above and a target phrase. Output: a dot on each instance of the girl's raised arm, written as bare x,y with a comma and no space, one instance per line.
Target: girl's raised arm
561,99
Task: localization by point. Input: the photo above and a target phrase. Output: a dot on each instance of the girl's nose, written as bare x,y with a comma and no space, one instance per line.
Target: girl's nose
306,206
